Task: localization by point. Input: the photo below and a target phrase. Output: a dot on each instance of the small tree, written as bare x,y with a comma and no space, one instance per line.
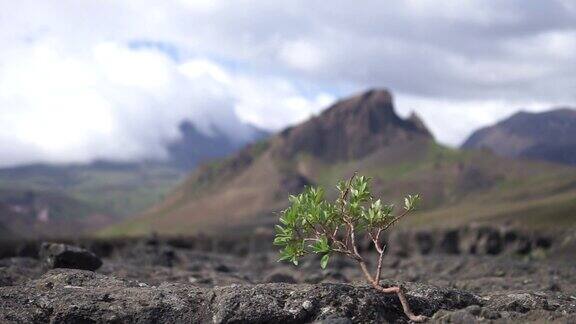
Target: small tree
313,225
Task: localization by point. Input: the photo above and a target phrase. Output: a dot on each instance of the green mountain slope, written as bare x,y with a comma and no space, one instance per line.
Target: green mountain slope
77,199
119,189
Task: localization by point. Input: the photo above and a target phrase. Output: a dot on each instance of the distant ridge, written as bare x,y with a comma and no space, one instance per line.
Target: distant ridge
548,136
194,147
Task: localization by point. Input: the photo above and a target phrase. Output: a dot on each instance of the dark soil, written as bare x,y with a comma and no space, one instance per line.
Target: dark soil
174,281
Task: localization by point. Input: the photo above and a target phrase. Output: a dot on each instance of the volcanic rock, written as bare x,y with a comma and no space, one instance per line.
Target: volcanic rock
54,255
66,296
352,128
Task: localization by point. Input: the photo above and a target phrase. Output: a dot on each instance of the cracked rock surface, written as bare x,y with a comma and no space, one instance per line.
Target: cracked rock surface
158,282
72,296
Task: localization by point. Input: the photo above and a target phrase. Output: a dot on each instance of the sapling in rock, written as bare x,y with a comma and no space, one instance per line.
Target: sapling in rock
314,225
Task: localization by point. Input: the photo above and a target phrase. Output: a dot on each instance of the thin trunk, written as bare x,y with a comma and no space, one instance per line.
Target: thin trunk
405,306
366,272
379,268
392,290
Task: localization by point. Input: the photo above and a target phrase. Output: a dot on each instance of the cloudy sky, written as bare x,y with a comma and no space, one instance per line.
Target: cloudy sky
112,78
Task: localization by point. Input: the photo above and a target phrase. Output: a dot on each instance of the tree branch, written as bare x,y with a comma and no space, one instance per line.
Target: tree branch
406,212
353,239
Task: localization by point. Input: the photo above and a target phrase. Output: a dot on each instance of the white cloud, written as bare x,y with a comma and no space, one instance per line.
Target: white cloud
123,103
110,78
146,69
479,12
274,103
202,5
199,68
302,55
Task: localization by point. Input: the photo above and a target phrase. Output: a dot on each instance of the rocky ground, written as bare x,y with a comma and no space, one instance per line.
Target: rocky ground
170,281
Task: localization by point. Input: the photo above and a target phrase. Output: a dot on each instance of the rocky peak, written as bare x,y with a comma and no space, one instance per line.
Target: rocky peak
352,128
418,122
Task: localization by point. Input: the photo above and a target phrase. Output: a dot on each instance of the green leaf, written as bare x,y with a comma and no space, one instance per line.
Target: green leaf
410,201
284,256
324,261
321,246
388,209
281,240
341,186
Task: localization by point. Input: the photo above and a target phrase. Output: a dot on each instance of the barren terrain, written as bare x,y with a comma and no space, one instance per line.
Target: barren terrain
462,276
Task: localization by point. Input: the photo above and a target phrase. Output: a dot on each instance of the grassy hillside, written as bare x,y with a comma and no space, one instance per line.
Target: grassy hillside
118,190
458,187
363,133
79,198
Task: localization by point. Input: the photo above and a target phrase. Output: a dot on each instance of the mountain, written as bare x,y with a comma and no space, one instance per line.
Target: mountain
351,129
548,136
363,132
74,199
194,146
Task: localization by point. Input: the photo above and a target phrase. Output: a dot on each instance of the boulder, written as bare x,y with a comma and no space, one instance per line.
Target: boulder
56,255
425,242
490,241
450,242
